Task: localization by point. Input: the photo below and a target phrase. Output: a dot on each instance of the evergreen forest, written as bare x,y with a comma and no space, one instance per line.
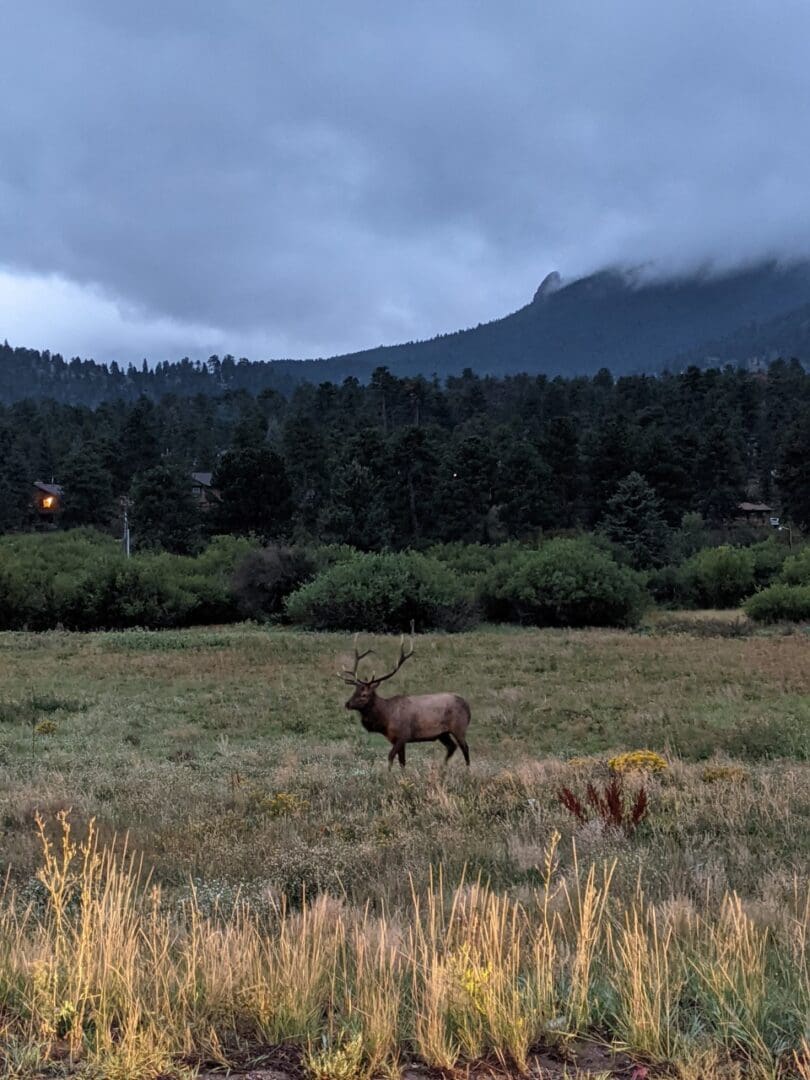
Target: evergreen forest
404,463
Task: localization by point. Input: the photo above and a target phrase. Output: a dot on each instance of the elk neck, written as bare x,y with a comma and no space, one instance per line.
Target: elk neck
373,715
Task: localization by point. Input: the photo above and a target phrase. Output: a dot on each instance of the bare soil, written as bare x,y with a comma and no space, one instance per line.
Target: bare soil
580,1059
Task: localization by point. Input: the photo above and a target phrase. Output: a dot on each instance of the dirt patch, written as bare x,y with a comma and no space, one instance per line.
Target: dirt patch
581,1059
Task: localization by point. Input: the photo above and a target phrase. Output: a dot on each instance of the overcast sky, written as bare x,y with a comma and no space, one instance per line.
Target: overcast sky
307,178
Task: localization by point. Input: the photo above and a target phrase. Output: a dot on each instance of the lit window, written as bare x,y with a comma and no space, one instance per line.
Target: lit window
48,502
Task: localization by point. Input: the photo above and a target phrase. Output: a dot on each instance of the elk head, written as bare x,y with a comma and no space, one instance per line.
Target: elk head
365,689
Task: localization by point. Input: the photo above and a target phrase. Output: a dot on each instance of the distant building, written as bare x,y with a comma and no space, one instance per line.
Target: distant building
47,499
754,513
202,491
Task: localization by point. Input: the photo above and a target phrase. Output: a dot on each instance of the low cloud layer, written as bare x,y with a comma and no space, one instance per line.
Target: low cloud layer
307,179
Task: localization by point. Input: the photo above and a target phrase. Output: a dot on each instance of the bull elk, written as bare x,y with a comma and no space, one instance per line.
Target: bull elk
407,718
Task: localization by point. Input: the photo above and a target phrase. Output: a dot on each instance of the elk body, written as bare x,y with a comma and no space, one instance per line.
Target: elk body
408,718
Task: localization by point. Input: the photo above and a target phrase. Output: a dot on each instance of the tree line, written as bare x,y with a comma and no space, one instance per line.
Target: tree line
407,462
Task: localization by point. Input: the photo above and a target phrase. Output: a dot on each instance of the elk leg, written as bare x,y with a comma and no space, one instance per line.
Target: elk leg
462,742
447,742
397,750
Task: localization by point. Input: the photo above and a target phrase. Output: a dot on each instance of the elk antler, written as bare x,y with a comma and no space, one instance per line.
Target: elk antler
403,656
351,676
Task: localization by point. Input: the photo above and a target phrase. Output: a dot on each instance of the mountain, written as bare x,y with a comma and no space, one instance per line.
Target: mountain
785,336
613,319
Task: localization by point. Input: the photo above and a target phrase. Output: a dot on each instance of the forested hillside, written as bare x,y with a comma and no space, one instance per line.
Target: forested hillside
407,462
612,320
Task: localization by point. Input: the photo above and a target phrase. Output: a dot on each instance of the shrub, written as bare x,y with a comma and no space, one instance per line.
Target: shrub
41,574
81,580
769,559
328,555
338,1060
638,761
796,568
780,603
264,579
125,592
472,561
665,584
564,583
383,593
689,538
717,577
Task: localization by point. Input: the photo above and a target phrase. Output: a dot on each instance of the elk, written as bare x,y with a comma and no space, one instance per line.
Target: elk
407,718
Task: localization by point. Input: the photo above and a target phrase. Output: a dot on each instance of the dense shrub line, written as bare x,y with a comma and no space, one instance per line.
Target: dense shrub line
80,580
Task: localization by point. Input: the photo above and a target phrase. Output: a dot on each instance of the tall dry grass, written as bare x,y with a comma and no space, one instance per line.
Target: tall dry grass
102,973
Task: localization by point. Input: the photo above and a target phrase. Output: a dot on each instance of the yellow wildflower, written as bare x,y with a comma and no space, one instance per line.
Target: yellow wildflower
638,761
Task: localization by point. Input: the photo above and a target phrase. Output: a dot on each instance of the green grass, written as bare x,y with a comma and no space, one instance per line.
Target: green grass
227,756
180,738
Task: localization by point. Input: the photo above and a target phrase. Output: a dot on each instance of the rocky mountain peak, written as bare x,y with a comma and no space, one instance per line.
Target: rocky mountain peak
550,284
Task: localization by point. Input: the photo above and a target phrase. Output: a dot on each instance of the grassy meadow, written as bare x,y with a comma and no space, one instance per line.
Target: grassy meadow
242,871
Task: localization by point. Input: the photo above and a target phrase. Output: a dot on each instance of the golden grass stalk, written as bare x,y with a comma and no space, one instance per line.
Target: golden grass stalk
110,976
587,905
649,981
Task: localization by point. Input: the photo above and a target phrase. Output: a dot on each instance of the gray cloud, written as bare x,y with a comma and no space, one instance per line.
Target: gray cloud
305,179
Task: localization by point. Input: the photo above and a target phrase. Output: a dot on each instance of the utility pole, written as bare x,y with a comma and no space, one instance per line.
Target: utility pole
789,531
125,542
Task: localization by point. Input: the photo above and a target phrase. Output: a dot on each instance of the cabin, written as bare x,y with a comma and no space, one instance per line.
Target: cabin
754,513
202,491
47,499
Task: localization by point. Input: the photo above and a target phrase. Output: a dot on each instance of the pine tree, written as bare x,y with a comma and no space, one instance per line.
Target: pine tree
793,473
468,479
355,512
720,472
15,491
524,490
611,455
413,460
254,493
88,488
559,449
634,520
164,514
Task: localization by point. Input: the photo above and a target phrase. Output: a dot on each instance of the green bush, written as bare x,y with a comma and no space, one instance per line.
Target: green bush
717,577
382,593
769,560
665,585
796,568
564,583
40,574
780,603
81,580
688,538
326,556
472,561
264,579
121,593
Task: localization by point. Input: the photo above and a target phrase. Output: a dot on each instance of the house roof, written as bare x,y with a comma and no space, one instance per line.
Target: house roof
49,489
754,508
202,478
